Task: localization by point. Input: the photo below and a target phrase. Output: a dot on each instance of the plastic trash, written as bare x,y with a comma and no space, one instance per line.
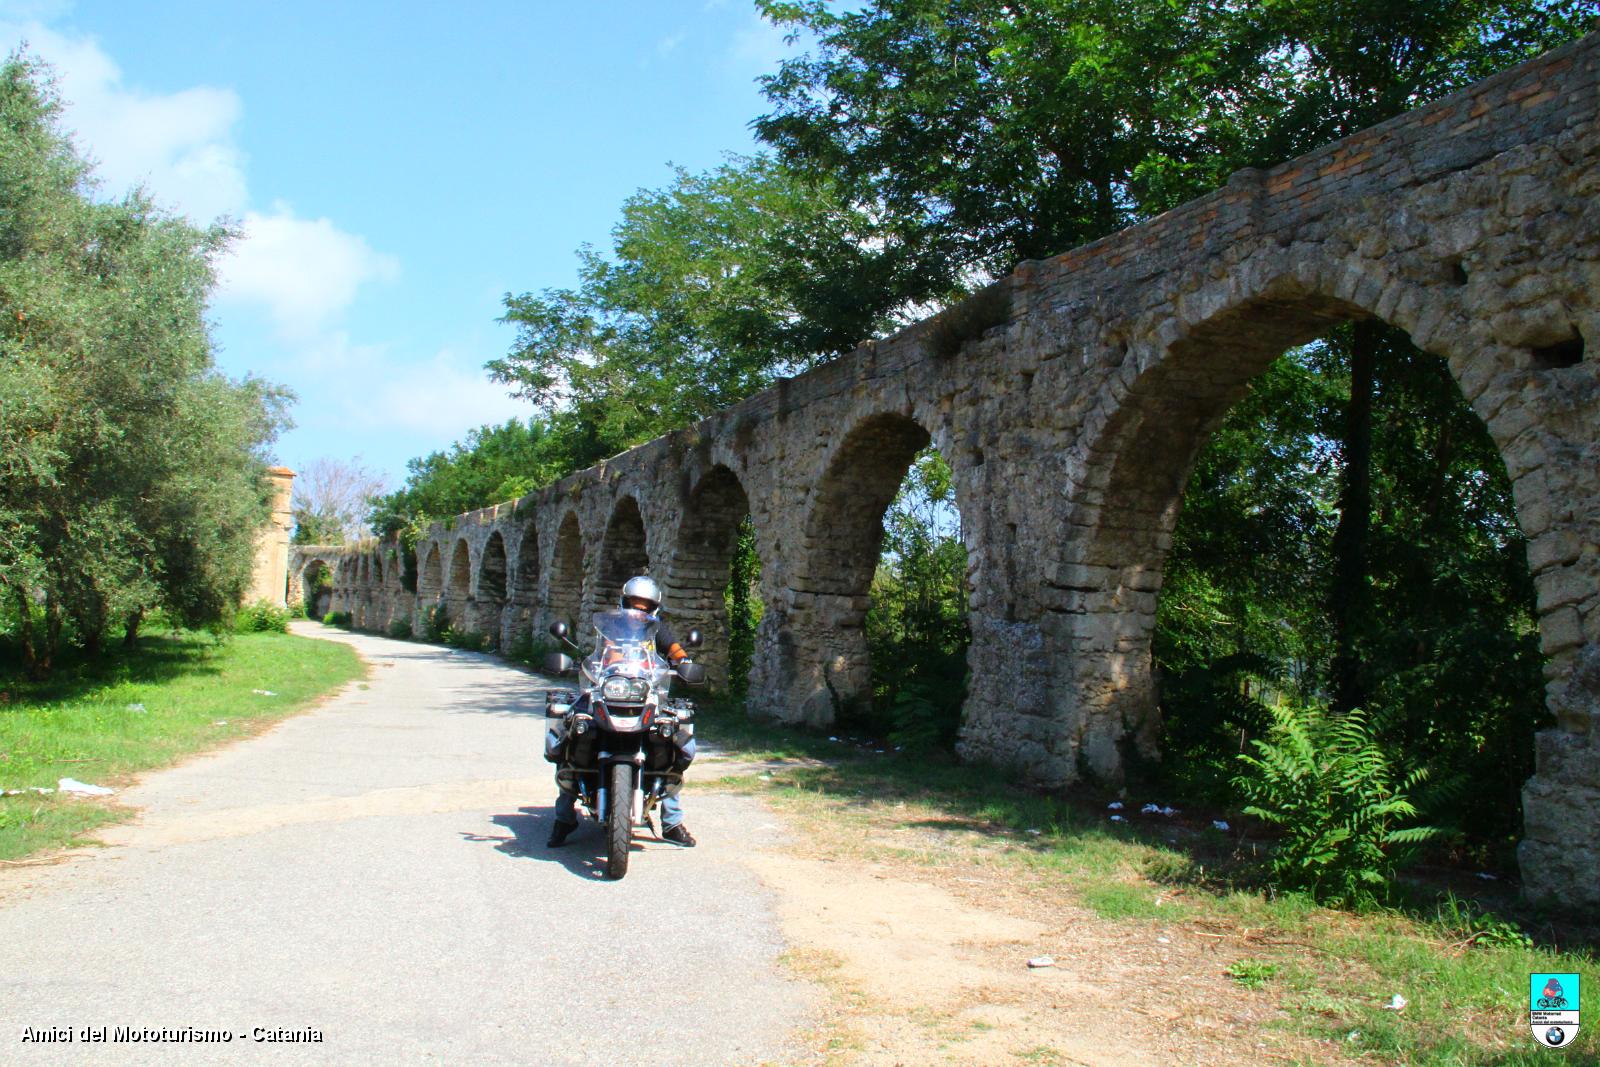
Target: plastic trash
263,692
72,785
1218,824
1034,830
1487,877
1115,805
1396,1003
1042,961
1164,940
139,708
1118,818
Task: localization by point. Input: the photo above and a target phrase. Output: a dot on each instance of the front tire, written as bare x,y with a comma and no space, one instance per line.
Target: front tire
619,820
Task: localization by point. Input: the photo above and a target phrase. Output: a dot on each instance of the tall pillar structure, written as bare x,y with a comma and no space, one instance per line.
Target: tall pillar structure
271,580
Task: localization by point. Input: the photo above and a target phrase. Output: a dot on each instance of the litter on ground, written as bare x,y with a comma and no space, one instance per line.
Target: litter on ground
72,785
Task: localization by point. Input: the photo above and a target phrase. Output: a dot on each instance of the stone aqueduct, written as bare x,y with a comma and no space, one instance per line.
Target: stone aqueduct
1070,400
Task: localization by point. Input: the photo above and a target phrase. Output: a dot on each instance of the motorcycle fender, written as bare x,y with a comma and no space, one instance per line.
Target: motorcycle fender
555,741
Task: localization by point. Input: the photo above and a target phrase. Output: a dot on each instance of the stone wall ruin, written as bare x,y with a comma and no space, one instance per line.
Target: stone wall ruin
1070,400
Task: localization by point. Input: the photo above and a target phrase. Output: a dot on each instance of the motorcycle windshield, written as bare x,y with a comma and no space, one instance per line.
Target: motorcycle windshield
626,643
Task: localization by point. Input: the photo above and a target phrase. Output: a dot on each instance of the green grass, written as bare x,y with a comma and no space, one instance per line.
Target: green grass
1462,965
177,694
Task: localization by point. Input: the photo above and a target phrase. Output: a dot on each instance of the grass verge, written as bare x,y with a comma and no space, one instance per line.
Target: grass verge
177,694
1324,977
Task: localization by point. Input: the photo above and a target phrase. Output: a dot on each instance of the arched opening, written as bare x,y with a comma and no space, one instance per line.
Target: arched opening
622,553
525,583
492,571
881,598
566,572
458,590
430,582
491,600
316,586
1332,528
710,581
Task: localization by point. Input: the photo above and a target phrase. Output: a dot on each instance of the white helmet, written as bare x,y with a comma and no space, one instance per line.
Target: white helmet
642,588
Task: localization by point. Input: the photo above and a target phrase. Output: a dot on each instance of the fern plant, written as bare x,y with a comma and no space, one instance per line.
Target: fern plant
1323,780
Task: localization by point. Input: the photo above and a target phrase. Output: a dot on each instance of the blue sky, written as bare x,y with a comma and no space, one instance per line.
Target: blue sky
396,168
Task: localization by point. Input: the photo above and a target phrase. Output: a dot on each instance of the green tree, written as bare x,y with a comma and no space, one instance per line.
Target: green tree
134,472
713,287
989,131
492,465
917,624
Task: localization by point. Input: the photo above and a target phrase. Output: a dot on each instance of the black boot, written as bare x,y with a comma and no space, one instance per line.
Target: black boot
559,834
679,835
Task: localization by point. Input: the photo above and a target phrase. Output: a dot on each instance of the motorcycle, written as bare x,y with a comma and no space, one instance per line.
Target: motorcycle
617,742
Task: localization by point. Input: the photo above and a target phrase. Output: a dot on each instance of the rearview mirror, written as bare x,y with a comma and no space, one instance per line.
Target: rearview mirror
558,663
558,630
693,640
692,673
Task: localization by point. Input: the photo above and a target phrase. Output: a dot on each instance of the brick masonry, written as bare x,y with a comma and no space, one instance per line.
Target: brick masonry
1070,400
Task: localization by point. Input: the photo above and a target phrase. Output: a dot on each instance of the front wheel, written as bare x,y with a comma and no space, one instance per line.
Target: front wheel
619,820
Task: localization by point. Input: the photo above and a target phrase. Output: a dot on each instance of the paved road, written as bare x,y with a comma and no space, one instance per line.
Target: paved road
375,870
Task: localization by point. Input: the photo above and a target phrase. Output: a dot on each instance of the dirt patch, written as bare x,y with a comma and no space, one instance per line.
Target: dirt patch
929,963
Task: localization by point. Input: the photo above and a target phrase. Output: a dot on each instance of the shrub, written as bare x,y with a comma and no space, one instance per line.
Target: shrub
261,617
400,629
470,640
341,619
528,650
436,624
1323,781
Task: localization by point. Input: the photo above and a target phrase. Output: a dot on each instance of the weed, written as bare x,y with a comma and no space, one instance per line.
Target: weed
1252,974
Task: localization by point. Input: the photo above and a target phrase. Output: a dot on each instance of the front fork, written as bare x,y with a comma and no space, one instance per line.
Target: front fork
607,761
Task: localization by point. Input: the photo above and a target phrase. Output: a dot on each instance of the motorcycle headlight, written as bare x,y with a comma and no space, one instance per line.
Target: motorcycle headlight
625,690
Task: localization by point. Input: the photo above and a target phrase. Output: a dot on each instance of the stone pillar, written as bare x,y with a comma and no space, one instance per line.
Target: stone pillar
271,579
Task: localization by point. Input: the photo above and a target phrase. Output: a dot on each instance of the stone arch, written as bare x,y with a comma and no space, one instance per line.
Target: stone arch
492,570
525,581
430,578
702,558
491,589
458,581
566,571
812,658
622,553
1133,467
317,594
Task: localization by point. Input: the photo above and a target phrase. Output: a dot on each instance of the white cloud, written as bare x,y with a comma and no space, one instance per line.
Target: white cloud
441,399
305,272
179,145
669,44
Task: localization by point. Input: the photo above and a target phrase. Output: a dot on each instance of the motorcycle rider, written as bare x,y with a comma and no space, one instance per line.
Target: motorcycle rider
639,594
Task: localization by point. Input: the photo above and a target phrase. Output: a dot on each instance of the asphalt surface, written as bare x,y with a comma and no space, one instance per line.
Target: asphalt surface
375,871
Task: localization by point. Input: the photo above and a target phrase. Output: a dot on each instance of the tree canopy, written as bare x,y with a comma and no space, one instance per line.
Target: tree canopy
134,473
